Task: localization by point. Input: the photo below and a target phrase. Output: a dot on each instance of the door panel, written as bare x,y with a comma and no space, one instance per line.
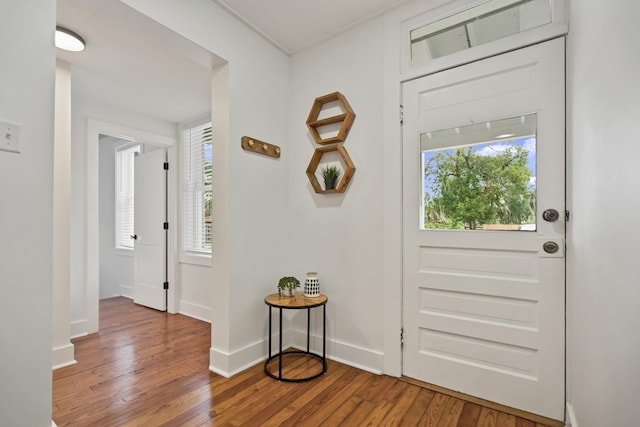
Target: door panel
484,309
149,217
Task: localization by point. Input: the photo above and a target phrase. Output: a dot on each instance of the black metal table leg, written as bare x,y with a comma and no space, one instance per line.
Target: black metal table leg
308,327
270,332
280,349
324,337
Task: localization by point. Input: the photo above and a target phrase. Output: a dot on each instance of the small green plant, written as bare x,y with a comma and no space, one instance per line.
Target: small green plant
330,174
287,282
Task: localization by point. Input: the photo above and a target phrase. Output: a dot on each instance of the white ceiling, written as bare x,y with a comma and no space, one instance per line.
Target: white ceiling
134,63
293,25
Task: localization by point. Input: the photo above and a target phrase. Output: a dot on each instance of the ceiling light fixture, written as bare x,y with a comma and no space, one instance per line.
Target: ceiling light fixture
68,40
505,135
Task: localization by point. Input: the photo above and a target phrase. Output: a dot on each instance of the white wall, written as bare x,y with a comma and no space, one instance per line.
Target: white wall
116,266
27,98
603,292
250,193
341,235
196,291
269,222
63,350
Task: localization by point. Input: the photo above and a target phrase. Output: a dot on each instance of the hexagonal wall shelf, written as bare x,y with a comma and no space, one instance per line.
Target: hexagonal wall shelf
347,118
349,169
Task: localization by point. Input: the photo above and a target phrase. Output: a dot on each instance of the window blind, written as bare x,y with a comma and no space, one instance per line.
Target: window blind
197,163
124,195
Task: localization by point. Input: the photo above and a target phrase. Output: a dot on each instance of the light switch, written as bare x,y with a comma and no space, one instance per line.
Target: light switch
9,136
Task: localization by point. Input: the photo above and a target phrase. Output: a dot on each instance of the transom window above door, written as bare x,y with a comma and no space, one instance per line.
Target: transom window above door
480,24
480,176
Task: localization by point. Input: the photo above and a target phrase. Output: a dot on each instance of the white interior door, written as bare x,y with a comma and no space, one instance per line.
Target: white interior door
484,298
149,259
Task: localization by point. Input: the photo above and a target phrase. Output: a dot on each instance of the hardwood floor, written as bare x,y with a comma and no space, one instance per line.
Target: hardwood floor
147,368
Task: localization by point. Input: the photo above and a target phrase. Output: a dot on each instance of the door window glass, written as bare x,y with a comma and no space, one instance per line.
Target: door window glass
489,21
480,176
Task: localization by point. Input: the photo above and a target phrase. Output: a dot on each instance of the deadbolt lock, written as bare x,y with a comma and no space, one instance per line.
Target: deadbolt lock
550,247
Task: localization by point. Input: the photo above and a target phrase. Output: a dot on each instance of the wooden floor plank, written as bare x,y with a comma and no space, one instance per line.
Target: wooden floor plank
313,394
358,414
469,415
451,413
377,414
338,416
488,418
506,420
148,368
349,383
395,415
435,410
418,407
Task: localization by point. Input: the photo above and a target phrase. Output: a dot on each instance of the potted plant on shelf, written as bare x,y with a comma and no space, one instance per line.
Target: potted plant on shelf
288,283
330,174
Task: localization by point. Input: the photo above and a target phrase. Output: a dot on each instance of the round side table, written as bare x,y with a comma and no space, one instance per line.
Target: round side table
296,303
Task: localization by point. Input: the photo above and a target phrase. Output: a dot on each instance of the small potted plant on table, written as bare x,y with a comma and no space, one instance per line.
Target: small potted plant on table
288,283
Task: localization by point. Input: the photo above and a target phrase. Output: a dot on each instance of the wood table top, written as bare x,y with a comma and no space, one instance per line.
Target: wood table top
285,301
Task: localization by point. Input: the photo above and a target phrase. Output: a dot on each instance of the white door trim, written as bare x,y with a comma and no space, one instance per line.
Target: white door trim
94,129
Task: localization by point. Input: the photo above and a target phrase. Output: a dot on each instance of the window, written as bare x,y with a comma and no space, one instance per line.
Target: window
125,155
484,23
480,176
196,209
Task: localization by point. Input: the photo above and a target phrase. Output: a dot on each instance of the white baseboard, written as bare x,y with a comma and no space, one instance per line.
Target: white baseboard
229,364
348,354
196,311
79,328
63,356
571,416
355,365
126,291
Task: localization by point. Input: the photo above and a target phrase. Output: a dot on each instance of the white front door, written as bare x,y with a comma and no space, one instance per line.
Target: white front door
150,211
483,291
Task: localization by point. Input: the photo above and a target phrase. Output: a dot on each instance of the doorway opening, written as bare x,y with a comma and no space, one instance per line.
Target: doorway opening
116,134
116,215
132,213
